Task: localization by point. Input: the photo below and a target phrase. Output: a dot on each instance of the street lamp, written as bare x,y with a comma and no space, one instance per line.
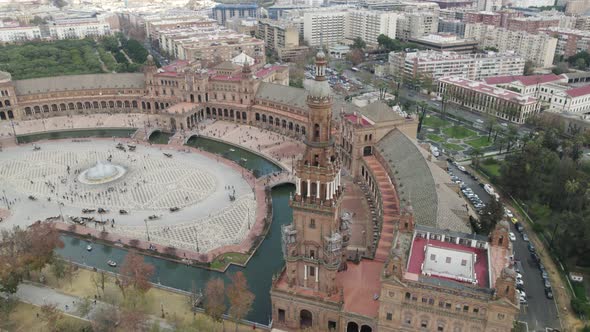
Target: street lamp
14,131
146,229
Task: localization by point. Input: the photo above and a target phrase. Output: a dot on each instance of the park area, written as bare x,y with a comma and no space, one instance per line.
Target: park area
453,137
72,57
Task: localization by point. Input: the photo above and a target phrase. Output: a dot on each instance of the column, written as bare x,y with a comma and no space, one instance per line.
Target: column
318,191
304,272
328,190
298,186
317,274
334,186
308,188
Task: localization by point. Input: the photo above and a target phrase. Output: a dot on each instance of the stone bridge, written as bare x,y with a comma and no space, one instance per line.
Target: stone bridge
275,179
144,134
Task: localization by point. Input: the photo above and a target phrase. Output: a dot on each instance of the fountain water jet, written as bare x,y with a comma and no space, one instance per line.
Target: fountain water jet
102,172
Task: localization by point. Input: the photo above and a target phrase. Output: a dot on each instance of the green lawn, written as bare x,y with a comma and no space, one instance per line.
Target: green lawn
458,132
490,169
221,261
454,147
434,122
435,138
480,142
579,290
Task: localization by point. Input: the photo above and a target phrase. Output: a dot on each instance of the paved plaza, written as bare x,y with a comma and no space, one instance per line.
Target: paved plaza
200,186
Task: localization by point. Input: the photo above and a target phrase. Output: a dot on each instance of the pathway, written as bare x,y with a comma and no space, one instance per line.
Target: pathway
39,295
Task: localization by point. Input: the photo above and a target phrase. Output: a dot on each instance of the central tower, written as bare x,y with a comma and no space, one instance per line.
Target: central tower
314,244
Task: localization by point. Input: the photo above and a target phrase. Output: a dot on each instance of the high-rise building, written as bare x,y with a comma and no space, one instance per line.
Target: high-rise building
532,24
369,24
569,41
281,37
538,48
416,25
324,27
435,64
225,12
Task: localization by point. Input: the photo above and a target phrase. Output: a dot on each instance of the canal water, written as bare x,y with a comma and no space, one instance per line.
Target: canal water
78,133
160,137
267,260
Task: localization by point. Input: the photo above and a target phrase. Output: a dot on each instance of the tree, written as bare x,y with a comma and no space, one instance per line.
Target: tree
240,298
476,153
58,268
490,122
560,68
132,320
529,67
358,43
491,214
355,56
50,315
421,109
105,319
135,273
214,299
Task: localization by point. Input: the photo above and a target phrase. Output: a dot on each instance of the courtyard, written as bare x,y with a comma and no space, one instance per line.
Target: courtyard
455,138
215,206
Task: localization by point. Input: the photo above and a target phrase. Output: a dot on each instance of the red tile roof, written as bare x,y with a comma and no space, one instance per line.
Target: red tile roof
577,92
417,257
354,118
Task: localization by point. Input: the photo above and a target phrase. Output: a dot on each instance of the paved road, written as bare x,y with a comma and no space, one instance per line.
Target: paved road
39,296
540,312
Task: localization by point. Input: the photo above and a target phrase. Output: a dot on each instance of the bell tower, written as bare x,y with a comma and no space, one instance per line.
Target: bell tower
314,245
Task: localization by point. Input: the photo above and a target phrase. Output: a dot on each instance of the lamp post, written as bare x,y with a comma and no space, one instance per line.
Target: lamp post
248,218
146,229
14,131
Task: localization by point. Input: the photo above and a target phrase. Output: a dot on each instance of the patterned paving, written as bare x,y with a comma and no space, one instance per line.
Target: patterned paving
201,187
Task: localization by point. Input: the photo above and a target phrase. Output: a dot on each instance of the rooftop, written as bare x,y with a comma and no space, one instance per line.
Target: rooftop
578,92
489,90
448,261
525,80
379,111
282,94
360,283
80,82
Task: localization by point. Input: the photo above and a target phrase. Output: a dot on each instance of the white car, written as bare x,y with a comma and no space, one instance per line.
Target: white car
508,213
512,236
520,282
461,168
522,294
518,276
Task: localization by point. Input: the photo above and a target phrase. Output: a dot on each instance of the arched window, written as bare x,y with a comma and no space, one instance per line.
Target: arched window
28,111
112,104
71,106
127,105
95,104
316,131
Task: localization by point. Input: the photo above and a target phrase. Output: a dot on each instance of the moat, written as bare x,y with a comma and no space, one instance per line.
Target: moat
265,262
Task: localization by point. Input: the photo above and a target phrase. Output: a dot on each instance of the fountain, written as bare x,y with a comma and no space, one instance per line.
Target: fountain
102,172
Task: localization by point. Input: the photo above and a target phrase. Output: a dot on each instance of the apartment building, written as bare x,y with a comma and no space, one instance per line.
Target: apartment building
455,27
538,48
211,44
19,34
281,37
416,25
445,64
532,24
529,3
369,24
487,18
569,41
225,12
446,42
481,97
323,27
158,23
577,7
79,30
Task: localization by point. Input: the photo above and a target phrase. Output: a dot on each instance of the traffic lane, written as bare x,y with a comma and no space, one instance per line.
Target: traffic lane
539,312
469,182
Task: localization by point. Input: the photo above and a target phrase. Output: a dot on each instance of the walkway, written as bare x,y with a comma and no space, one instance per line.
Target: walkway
390,208
68,304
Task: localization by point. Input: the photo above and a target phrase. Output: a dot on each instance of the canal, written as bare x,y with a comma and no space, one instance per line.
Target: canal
160,137
267,260
77,133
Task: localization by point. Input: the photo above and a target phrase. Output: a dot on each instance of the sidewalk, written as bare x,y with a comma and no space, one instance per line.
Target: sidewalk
67,304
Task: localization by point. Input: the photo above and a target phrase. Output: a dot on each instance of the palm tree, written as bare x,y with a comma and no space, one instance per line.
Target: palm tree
475,153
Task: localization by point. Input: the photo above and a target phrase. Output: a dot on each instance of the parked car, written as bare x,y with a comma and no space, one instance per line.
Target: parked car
549,293
525,237
519,227
512,236
535,257
514,220
461,168
544,275
519,282
508,213
531,247
547,283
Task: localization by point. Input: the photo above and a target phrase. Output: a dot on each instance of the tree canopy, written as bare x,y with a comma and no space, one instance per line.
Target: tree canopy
580,60
394,44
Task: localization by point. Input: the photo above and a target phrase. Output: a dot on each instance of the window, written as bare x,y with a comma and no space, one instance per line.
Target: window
501,316
312,271
432,257
424,300
312,223
440,328
408,296
424,324
463,262
448,260
408,320
476,310
465,308
281,315
447,305
391,294
312,254
331,325
389,316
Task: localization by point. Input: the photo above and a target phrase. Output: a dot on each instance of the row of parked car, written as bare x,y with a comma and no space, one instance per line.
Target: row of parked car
475,200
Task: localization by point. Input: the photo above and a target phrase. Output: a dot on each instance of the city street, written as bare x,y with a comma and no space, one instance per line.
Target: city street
540,312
